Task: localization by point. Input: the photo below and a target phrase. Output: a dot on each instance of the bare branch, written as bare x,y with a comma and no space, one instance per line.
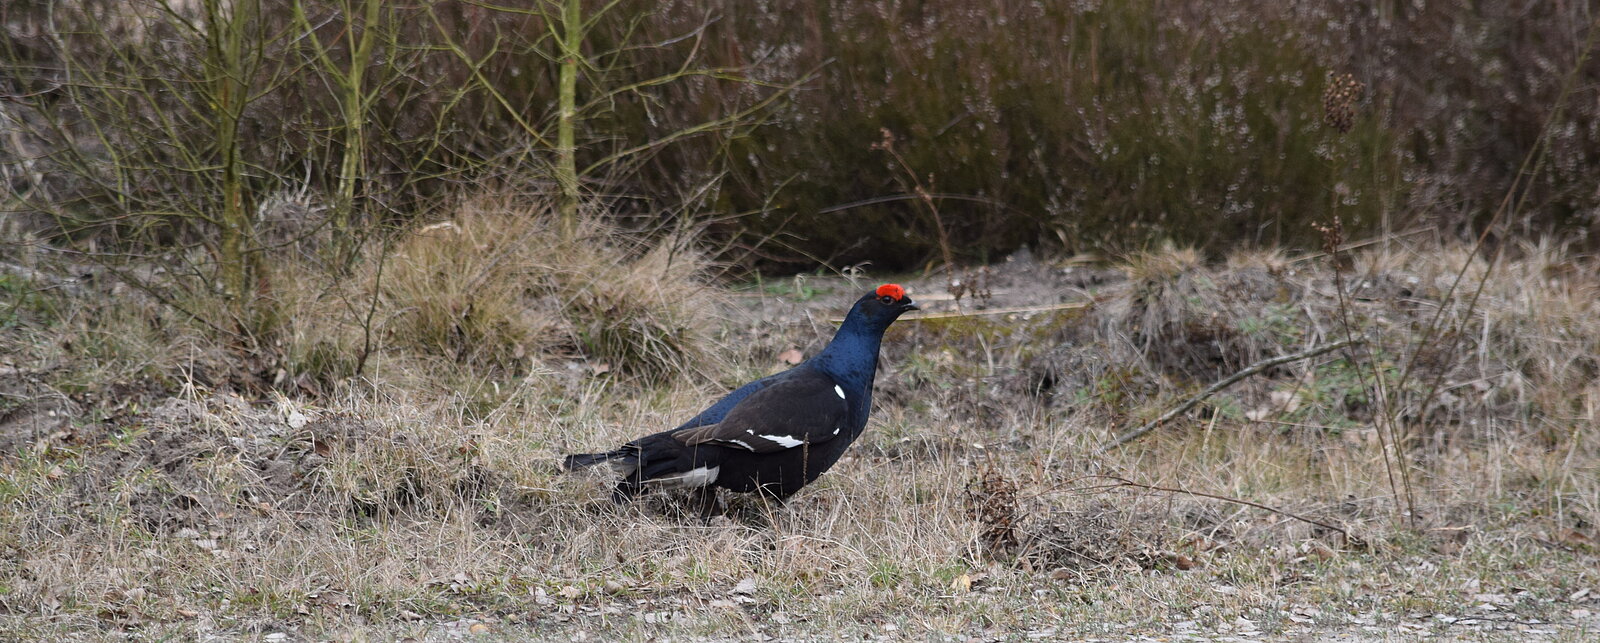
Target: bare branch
1222,384
1124,482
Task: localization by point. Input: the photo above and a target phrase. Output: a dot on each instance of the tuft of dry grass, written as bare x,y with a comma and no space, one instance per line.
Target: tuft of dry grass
495,287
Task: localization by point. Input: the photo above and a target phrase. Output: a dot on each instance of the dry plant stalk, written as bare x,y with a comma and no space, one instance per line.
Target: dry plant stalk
956,287
1332,238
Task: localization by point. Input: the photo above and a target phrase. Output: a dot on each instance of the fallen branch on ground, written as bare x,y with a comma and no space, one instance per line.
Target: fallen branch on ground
1124,482
1218,386
1001,311
995,311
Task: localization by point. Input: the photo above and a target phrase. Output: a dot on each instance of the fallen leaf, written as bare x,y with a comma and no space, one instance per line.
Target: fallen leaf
1316,549
1289,401
478,628
962,583
746,586
792,356
1575,539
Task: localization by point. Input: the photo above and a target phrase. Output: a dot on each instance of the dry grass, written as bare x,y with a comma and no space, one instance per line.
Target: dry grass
496,288
392,506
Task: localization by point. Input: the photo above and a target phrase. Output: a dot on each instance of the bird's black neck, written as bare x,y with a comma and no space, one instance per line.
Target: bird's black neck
851,359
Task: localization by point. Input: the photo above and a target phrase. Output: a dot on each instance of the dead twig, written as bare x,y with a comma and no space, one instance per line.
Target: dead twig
1218,386
1362,244
1124,482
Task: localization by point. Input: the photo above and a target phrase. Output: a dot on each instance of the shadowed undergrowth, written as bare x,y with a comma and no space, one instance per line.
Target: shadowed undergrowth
1088,126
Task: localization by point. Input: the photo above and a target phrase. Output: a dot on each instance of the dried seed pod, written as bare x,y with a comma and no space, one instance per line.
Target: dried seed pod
1339,101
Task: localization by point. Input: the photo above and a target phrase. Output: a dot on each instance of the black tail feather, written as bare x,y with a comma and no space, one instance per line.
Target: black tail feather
643,460
580,460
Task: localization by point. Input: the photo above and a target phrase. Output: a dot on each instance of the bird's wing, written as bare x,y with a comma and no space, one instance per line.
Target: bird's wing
804,408
716,412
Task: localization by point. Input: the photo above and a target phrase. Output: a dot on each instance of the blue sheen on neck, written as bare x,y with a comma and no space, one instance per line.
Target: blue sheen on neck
852,357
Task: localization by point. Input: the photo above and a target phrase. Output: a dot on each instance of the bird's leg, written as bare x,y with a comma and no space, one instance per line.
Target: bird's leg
706,497
624,491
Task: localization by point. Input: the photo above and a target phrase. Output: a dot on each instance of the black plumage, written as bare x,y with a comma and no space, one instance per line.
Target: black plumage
773,435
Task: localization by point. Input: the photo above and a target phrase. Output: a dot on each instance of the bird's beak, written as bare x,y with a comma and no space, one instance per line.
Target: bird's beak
909,305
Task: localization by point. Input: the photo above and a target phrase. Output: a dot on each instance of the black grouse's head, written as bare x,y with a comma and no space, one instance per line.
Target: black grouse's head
881,307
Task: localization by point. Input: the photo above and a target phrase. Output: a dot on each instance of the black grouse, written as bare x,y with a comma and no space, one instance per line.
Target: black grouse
773,435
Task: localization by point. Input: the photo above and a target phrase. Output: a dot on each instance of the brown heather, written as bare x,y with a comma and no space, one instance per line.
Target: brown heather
1099,126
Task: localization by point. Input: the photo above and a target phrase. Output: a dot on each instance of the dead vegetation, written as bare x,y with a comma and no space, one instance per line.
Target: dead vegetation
149,493
496,286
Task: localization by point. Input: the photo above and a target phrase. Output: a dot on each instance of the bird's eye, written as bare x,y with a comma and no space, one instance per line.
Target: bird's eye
887,300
